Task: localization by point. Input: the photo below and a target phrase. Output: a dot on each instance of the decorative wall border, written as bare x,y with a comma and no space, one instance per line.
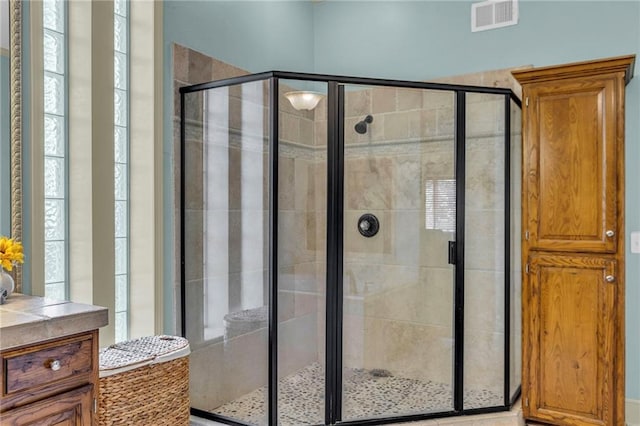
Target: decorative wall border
15,55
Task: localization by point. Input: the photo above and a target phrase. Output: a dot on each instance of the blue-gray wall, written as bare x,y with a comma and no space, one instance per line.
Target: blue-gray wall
415,40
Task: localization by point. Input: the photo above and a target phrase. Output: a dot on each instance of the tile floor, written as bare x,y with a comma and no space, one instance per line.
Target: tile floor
369,394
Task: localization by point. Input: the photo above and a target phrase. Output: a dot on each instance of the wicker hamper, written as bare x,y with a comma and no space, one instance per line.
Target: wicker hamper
145,382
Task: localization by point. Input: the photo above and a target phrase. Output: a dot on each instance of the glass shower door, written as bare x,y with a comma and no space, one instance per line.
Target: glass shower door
398,284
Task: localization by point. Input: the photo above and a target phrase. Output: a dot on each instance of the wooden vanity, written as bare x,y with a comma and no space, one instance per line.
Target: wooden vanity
49,361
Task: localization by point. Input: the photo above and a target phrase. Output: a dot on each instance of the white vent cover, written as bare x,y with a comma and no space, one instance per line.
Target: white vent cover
491,14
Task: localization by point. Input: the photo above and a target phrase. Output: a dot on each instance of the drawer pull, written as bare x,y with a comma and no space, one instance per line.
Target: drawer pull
610,278
610,233
55,365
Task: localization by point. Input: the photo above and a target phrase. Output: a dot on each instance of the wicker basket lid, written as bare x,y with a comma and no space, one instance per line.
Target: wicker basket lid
144,350
112,358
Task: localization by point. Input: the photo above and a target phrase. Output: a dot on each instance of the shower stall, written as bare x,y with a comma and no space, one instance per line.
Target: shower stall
352,262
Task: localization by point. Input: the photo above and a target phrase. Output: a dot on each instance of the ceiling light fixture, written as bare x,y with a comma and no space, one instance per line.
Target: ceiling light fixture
304,99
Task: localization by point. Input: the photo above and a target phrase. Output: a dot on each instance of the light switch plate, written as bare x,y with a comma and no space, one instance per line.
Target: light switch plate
635,242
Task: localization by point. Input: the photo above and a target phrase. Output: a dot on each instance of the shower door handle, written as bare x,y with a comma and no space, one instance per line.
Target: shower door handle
452,253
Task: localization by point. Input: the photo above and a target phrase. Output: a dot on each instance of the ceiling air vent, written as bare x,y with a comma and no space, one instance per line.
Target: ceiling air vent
491,14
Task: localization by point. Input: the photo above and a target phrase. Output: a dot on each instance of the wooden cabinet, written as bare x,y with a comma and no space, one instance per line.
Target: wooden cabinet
571,165
570,339
573,242
52,382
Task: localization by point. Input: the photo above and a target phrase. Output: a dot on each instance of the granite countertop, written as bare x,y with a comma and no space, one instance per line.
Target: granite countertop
26,320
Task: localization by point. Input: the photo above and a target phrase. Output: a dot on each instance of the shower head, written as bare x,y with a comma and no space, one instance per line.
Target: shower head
361,126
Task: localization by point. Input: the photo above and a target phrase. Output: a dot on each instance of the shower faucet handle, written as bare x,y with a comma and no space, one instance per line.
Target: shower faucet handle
368,225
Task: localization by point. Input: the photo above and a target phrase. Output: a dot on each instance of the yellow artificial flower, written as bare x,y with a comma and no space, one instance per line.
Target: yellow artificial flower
10,253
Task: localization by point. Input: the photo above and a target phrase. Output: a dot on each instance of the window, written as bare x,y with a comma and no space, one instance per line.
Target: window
440,204
55,150
121,166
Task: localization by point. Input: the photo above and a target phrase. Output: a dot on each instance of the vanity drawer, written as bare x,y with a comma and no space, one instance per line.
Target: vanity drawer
49,363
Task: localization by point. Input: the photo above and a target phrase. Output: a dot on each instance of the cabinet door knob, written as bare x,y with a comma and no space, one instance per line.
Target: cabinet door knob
610,233
610,278
55,365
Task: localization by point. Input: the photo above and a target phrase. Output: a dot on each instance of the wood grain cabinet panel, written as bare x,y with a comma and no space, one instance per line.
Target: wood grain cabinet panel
571,333
571,174
68,409
573,243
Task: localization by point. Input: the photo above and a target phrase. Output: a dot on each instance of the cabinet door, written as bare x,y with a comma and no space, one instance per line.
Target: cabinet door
570,164
72,408
569,340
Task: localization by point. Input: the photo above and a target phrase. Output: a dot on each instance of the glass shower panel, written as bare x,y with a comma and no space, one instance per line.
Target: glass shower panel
484,251
515,375
399,168
302,218
226,244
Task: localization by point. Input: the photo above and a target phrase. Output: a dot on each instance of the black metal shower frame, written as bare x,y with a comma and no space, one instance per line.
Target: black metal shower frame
335,200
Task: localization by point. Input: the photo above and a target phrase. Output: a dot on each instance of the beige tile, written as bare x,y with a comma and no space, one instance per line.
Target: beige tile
320,111
445,121
353,340
402,237
193,106
235,113
485,223
383,99
422,123
437,99
484,300
307,136
296,344
244,363
434,248
367,183
438,160
199,67
221,70
436,297
194,316
396,126
303,185
422,352
305,276
306,303
206,378
409,99
484,360
358,103
407,186
193,245
485,117
193,175
286,183
289,127
484,254
375,130
180,62
320,133
350,135
286,305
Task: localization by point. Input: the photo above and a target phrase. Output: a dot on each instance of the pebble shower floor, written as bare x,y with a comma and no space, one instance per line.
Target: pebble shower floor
368,394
